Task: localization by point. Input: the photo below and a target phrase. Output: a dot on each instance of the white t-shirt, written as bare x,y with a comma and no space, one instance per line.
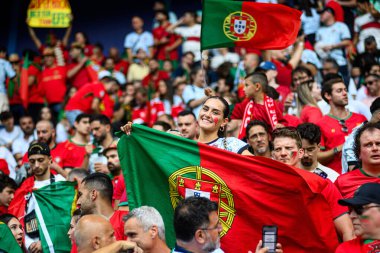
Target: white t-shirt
9,137
192,43
231,144
193,92
331,174
310,24
136,41
217,60
8,157
362,20
20,145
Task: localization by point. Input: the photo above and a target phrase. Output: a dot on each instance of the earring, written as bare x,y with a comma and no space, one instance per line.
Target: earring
221,129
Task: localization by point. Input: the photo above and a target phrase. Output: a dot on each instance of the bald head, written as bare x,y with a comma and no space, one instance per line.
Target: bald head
45,132
93,232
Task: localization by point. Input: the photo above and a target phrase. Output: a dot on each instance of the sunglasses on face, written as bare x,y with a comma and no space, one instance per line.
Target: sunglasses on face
370,82
344,127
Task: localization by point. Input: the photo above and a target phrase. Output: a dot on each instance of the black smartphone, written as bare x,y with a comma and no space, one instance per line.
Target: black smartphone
270,237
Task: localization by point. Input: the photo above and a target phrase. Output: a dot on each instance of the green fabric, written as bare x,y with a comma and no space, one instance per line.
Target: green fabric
56,204
7,241
146,158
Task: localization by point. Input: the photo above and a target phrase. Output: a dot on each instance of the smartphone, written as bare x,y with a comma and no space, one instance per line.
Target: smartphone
270,237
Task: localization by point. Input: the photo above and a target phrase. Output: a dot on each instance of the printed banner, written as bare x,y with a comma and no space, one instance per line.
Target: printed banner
49,13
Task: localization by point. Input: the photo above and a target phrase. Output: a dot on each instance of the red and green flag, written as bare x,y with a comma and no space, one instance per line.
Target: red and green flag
92,70
248,24
8,242
160,169
24,82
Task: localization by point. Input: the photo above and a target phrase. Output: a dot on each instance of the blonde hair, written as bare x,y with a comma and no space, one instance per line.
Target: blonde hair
304,96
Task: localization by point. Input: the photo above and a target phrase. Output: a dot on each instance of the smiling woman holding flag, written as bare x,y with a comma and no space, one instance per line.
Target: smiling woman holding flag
212,120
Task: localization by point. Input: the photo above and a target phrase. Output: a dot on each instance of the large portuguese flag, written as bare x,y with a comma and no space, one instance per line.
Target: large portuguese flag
248,24
160,169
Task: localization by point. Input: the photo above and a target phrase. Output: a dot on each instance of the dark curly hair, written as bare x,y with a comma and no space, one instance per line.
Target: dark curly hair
367,127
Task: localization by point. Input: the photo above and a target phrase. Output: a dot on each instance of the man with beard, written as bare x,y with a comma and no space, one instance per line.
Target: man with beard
101,128
155,75
21,144
95,197
337,124
197,226
113,164
311,137
188,125
258,138
23,206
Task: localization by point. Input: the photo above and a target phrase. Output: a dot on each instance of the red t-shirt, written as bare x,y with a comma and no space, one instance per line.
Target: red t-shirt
358,245
161,75
159,33
333,136
118,224
81,78
140,114
348,183
332,195
311,114
292,121
258,113
284,76
283,91
83,98
3,210
35,91
119,188
75,152
53,82
122,66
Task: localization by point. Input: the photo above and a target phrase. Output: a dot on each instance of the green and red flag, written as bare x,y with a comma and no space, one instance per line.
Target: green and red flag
24,82
92,70
160,169
248,24
54,205
8,242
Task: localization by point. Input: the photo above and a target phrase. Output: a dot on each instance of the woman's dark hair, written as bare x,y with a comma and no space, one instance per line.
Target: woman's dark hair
193,72
226,113
7,217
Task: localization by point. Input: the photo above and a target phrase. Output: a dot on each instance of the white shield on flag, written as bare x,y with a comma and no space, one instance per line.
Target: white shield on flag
240,26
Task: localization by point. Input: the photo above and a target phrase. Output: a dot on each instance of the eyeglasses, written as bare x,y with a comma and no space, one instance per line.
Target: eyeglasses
361,209
217,226
344,127
14,62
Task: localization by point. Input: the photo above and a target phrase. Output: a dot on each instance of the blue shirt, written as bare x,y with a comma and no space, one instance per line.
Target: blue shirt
6,70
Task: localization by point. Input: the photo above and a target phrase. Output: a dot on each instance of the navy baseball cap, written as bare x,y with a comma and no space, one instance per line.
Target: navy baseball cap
39,148
364,195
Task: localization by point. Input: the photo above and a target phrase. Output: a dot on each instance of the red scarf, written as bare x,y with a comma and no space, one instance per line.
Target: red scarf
270,108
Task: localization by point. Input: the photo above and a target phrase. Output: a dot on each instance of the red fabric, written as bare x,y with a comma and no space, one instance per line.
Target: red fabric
154,79
73,247
311,114
140,114
16,98
53,82
35,91
284,76
81,78
280,195
339,12
268,17
357,246
88,50
332,195
161,32
348,183
3,210
122,66
17,205
292,121
284,92
83,98
333,136
118,224
119,188
258,112
4,166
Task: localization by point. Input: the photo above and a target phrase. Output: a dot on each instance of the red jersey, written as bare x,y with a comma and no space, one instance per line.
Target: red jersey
3,210
81,78
119,188
35,91
83,98
332,195
284,76
122,66
140,115
292,121
76,153
348,183
15,99
358,245
283,91
118,224
53,82
159,33
311,114
154,79
333,136
258,112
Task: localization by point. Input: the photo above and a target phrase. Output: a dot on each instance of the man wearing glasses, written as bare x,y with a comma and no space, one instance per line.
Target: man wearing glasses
373,88
337,124
365,215
367,152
